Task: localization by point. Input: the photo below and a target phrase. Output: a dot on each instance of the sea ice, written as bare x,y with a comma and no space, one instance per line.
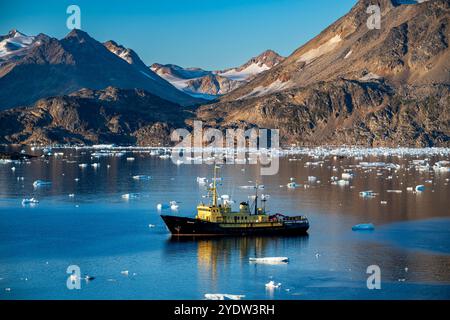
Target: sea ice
142,177
41,183
420,188
270,260
363,226
272,285
223,296
31,201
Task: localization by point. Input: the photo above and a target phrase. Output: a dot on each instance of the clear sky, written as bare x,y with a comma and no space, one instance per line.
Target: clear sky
212,34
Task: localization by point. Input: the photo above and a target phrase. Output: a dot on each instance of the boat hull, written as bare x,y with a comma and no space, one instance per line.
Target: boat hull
183,226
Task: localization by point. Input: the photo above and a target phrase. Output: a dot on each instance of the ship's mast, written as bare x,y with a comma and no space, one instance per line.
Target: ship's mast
256,198
214,188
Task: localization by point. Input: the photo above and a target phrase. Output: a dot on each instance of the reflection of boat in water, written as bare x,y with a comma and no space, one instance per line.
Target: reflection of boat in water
219,219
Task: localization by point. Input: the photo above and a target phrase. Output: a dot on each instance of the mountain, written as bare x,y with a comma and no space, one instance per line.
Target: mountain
59,67
111,115
210,84
14,45
352,85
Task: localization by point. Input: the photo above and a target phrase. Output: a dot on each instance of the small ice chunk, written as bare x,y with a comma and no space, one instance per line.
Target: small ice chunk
272,285
201,180
223,296
130,159
343,183
129,196
367,194
312,179
141,177
41,183
347,175
363,226
420,188
270,260
125,272
174,205
31,201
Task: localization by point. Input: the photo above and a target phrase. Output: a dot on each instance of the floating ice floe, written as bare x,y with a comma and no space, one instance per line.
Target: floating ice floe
125,272
420,188
223,296
363,227
270,260
272,285
130,159
82,165
41,183
174,205
31,201
129,196
347,176
202,180
367,194
95,165
151,225
394,191
312,179
71,195
342,183
161,206
293,185
142,177
442,166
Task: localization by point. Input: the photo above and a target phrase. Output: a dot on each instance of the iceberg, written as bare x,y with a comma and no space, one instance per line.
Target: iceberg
363,227
201,180
31,201
312,179
367,194
142,177
223,296
174,205
272,285
41,183
270,260
347,176
128,196
420,188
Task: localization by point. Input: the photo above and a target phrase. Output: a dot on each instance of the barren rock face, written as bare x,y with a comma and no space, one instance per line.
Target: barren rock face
94,116
352,85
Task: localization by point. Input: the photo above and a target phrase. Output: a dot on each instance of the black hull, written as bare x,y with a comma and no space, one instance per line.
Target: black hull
182,226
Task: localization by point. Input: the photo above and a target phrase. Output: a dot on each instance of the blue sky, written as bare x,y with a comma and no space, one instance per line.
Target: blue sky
211,34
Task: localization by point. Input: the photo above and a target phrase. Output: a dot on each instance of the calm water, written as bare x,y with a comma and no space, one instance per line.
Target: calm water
105,234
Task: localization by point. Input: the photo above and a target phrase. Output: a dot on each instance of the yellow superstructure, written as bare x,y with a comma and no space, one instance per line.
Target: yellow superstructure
221,213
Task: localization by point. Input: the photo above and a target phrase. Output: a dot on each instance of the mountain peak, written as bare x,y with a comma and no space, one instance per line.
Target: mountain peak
78,35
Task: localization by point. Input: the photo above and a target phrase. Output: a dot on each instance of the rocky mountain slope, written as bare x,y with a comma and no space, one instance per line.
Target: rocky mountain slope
211,84
349,85
352,85
58,67
94,116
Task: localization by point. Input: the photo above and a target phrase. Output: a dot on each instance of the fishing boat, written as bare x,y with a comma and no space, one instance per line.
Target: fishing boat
216,219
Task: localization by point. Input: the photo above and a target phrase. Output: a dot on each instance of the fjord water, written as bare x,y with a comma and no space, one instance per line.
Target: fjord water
105,234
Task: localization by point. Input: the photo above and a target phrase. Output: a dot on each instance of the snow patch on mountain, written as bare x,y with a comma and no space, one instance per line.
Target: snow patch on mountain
320,50
245,74
15,43
275,86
